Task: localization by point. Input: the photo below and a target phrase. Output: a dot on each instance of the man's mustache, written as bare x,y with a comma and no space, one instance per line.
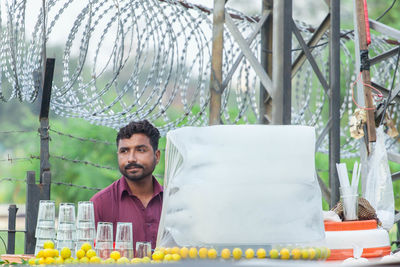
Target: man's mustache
133,165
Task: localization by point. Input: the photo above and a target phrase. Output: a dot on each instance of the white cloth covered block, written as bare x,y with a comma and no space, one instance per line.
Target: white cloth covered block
241,185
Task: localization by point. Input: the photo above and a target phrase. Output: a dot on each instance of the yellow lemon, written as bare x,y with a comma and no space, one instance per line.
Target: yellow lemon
312,253
176,257
261,253
115,255
123,260
285,254
74,261
175,250
80,254
49,260
48,253
48,244
317,253
90,253
59,260
237,253
158,255
249,253
86,246
109,261
305,254
68,261
296,254
84,260
184,252
39,254
168,257
324,253
32,261
95,259
42,261
167,251
273,253
212,253
225,253
193,253
55,253
203,253
65,253
136,260
146,260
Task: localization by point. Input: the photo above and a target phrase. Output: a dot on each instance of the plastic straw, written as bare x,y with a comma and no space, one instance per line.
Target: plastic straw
355,173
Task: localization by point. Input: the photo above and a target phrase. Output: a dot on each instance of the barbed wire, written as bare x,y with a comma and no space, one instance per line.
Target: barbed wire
83,139
83,162
12,180
17,131
11,159
83,187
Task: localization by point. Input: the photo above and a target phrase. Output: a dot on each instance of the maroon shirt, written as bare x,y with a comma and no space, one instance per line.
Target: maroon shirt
116,203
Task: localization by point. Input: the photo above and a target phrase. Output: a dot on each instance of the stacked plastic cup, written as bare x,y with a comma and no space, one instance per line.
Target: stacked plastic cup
104,239
86,231
45,227
143,249
124,239
66,230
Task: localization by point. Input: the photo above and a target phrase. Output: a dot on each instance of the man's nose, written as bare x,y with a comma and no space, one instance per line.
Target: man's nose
132,157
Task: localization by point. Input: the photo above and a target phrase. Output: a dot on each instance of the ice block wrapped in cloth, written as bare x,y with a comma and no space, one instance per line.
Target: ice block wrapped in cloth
241,185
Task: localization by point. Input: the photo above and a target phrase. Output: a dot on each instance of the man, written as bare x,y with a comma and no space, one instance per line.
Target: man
137,196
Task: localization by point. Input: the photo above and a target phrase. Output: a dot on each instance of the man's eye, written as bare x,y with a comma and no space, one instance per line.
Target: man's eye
123,151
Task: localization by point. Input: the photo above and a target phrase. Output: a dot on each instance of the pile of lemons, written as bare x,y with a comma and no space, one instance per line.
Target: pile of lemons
50,255
86,255
297,253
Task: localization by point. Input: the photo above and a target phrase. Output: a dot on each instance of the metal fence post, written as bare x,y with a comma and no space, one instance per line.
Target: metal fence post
34,193
12,216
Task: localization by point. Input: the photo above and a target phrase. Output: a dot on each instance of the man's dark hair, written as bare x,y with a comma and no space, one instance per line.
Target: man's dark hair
143,127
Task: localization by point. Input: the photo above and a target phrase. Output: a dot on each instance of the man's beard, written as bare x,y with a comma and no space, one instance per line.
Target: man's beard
135,177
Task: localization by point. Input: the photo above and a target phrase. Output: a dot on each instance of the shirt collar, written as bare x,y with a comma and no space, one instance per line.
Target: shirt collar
124,187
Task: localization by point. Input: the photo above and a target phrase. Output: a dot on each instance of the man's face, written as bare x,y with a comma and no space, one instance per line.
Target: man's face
136,157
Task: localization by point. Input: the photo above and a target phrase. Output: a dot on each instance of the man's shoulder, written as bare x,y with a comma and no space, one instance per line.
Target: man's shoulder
107,193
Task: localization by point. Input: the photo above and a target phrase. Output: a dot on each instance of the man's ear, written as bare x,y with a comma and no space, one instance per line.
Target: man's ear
158,155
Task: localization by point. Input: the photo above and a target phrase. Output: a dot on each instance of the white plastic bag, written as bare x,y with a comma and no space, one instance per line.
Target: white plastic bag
240,185
377,184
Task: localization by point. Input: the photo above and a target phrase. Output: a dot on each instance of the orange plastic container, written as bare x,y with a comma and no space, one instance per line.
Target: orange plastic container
341,236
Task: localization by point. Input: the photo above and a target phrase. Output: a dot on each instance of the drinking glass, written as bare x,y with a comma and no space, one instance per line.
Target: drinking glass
66,230
85,212
104,239
124,239
86,232
349,199
143,249
45,225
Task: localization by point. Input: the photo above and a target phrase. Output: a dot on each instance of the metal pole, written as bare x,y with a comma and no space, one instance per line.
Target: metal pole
32,206
44,117
216,62
12,216
34,193
266,62
282,62
334,100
